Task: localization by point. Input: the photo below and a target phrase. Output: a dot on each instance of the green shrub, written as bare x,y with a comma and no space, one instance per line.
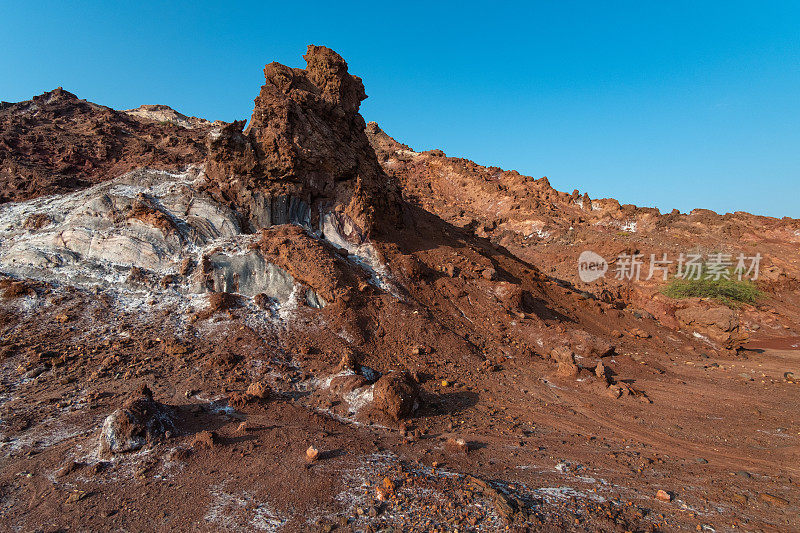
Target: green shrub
731,292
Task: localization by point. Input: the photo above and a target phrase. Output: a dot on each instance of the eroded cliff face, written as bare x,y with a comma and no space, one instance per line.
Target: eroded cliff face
304,157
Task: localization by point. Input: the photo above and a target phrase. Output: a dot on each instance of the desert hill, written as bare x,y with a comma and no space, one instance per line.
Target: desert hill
306,325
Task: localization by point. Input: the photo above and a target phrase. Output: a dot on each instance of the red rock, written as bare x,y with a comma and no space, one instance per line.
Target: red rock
305,148
567,370
71,144
601,372
396,394
139,421
204,439
456,445
312,454
563,354
258,390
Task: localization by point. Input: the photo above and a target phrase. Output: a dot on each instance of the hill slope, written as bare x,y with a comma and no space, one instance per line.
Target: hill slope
307,325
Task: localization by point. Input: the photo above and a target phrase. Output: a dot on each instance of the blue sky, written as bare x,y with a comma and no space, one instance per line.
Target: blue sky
671,104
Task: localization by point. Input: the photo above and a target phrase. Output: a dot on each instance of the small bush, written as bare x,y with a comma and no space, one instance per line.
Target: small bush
728,291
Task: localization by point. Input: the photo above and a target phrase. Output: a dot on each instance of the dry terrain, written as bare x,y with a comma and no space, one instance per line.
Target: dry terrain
305,325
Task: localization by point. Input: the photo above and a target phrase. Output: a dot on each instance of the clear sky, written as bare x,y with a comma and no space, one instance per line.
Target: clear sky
677,104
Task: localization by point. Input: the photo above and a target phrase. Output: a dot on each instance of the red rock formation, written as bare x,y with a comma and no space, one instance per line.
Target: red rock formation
305,152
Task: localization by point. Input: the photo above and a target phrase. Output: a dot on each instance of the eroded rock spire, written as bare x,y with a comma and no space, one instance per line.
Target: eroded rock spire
304,156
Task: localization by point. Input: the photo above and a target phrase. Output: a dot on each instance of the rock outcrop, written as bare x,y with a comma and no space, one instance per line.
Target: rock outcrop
396,394
150,232
710,321
304,157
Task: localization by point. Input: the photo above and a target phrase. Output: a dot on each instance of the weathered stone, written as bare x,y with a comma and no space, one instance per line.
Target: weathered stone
304,147
396,394
140,420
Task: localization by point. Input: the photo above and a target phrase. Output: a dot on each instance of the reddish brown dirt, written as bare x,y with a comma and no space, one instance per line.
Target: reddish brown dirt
540,404
526,430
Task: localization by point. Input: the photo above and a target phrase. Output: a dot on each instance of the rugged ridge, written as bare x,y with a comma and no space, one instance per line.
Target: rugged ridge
550,228
57,143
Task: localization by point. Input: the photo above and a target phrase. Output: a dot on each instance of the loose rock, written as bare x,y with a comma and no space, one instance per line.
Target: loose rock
139,421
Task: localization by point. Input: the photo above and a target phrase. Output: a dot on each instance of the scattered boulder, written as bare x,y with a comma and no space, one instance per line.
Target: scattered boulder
419,350
578,342
385,491
585,344
312,454
617,390
204,439
509,294
76,496
567,370
601,372
456,445
563,354
396,394
256,392
237,400
716,322
139,421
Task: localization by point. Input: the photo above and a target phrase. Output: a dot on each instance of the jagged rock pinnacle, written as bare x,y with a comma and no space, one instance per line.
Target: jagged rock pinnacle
305,146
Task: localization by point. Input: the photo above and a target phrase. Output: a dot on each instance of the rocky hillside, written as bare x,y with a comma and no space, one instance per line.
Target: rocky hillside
551,229
56,143
306,325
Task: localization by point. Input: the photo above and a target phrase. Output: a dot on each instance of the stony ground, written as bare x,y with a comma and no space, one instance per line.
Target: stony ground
305,325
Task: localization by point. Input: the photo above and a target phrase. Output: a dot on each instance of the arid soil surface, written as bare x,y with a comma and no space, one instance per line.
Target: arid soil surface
304,325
